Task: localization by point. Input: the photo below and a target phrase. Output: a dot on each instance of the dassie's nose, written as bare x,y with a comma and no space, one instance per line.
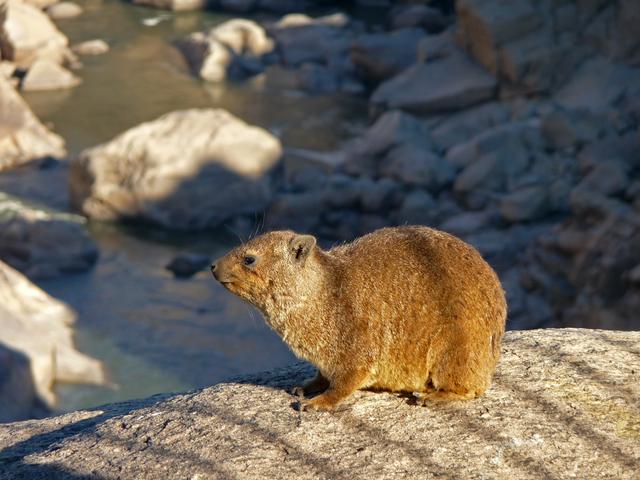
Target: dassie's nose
213,269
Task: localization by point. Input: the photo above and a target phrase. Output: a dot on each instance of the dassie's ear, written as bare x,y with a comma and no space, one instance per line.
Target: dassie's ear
300,246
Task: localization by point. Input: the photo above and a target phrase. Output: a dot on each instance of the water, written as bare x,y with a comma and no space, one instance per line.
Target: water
155,333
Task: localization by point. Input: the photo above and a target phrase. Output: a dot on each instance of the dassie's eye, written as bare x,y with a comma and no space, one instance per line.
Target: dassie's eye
249,260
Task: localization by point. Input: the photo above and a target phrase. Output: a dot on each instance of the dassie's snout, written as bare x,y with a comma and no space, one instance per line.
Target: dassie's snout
220,272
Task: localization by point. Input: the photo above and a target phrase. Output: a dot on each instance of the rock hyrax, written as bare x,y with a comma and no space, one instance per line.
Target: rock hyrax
408,309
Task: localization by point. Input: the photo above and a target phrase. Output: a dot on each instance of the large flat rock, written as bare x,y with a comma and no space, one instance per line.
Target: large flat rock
188,170
564,404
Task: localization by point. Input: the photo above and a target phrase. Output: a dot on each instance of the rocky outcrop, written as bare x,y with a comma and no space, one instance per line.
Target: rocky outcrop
42,243
40,328
190,169
22,136
536,47
561,401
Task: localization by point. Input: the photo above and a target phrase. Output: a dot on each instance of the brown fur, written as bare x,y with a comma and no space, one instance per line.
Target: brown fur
401,309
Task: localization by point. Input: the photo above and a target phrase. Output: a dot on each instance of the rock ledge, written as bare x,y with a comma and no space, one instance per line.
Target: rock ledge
564,403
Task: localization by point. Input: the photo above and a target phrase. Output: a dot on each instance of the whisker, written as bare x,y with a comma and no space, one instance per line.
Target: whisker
242,242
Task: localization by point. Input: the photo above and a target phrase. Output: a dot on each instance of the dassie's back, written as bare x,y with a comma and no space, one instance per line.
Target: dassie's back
406,286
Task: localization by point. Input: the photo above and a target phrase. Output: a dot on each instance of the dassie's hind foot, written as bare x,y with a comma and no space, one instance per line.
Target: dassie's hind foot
313,385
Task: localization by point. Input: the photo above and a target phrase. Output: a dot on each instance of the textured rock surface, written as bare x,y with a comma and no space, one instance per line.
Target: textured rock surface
188,169
42,243
40,327
563,401
22,136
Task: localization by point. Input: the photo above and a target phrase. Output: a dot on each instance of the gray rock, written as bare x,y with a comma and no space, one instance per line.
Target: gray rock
539,61
409,16
223,171
614,83
62,10
416,165
91,47
626,37
48,75
378,56
609,178
296,211
344,191
436,47
316,78
380,195
585,202
496,158
40,327
22,136
451,83
623,149
465,223
565,129
42,243
187,264
485,25
238,6
549,406
395,128
484,174
418,208
634,275
526,204
459,127
301,39
493,244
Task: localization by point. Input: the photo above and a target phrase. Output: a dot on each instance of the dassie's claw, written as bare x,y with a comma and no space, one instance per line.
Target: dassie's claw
298,391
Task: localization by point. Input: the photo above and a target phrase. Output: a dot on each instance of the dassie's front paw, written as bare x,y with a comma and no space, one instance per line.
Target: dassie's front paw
320,404
298,391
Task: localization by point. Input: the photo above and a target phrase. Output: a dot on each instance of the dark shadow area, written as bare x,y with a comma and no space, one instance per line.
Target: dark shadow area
18,396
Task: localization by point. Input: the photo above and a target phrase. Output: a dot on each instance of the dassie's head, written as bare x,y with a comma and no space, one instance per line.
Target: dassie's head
267,267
